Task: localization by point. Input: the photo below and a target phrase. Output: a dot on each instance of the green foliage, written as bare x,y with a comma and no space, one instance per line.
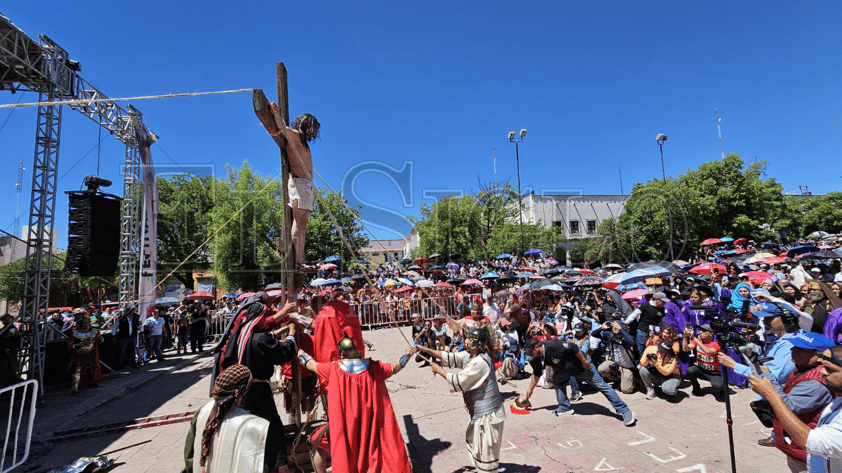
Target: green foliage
720,198
478,226
802,215
12,277
322,236
247,219
184,224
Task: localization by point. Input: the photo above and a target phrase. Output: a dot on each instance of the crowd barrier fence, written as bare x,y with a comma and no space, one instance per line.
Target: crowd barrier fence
21,399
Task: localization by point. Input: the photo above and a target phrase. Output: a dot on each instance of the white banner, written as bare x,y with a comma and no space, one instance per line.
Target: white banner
149,222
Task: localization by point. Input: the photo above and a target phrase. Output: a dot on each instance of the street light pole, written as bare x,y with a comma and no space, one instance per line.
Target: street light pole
519,196
660,140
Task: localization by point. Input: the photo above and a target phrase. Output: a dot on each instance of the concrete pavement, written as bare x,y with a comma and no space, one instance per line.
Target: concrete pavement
685,436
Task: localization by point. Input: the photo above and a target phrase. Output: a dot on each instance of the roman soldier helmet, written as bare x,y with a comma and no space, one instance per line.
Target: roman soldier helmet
479,334
346,344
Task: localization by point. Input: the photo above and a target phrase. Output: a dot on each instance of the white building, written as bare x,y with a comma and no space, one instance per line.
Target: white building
577,216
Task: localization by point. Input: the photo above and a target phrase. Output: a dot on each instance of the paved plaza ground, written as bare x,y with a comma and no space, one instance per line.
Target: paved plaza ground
688,435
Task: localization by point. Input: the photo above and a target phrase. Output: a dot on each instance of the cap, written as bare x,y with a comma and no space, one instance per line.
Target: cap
660,296
665,347
530,345
724,278
811,341
578,328
816,270
705,327
767,310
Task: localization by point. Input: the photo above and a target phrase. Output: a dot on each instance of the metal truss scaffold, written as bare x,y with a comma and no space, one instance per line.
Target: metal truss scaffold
44,67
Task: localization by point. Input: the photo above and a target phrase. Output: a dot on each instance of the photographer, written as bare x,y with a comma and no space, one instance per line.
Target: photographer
650,314
707,365
620,346
663,358
802,423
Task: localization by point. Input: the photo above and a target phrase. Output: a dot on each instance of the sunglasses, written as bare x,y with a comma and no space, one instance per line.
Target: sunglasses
835,361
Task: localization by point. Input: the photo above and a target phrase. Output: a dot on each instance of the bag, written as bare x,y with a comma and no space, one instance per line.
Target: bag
764,412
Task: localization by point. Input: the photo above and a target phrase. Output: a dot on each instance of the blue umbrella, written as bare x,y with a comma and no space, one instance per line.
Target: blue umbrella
800,250
452,266
346,280
363,261
563,267
317,282
406,281
490,275
504,256
727,238
331,282
167,300
532,252
640,275
332,259
231,295
525,274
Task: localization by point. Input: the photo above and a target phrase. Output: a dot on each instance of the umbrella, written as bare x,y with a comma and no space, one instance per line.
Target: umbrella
740,241
456,281
346,280
419,260
758,258
680,262
758,277
502,293
640,275
358,276
231,295
504,256
166,300
588,281
610,285
406,281
629,287
705,268
775,260
452,266
541,283
403,289
201,296
332,259
532,252
726,239
491,275
317,282
525,275
275,293
328,266
434,255
553,287
331,282
455,256
711,241
818,235
528,268
363,261
572,272
471,282
670,267
413,267
412,274
635,294
800,250
244,296
388,282
586,271
612,266
405,261
822,254
563,267
274,285
443,284
425,283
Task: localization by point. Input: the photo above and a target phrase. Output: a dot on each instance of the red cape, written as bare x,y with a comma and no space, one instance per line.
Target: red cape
335,320
364,433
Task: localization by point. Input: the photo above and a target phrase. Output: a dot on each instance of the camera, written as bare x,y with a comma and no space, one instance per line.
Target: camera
652,357
722,328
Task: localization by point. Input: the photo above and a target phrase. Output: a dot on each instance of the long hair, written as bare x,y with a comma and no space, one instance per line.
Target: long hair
307,127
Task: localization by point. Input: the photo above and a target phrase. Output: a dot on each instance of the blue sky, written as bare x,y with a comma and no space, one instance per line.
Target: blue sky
440,84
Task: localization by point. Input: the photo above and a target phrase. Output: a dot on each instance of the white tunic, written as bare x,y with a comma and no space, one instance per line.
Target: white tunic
238,445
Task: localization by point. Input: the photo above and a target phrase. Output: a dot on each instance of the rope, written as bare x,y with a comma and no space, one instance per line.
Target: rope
121,99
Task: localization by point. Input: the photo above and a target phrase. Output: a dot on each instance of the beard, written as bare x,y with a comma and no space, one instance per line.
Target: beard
816,297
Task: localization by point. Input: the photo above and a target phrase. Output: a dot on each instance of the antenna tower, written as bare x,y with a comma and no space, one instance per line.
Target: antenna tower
18,187
719,130
494,155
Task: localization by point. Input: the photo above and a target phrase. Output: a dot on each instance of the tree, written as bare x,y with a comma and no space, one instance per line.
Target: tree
322,236
184,223
720,198
802,215
247,219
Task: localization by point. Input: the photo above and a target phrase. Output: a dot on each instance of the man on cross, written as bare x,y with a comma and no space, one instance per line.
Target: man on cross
300,186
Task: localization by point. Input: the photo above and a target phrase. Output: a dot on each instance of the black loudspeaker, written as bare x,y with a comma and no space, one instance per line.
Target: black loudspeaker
93,247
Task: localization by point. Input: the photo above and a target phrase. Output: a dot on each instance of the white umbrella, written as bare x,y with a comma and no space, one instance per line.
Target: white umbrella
318,282
425,283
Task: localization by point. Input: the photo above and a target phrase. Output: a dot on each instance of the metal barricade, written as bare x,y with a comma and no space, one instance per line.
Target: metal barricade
217,325
376,314
21,398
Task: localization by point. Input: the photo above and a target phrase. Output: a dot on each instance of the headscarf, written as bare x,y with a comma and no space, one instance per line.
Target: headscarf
229,386
622,308
227,351
737,299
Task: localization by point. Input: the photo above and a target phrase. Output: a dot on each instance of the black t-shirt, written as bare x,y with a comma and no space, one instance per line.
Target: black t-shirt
649,315
561,356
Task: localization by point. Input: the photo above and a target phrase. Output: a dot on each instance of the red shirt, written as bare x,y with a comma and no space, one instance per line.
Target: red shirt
707,362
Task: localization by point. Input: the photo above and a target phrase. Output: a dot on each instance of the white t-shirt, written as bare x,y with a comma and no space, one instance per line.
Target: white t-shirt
825,440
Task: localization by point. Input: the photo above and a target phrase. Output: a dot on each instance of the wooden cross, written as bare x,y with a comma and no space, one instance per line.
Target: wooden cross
291,278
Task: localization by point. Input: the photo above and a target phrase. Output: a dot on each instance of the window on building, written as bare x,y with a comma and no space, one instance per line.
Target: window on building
591,226
556,223
574,226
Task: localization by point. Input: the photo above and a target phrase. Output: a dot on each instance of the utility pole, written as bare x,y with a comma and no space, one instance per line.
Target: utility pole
719,130
660,139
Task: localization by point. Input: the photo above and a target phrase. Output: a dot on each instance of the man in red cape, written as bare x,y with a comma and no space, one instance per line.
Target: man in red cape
364,434
334,322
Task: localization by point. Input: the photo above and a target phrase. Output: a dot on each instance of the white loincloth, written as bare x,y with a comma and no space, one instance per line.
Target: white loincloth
301,190
484,438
